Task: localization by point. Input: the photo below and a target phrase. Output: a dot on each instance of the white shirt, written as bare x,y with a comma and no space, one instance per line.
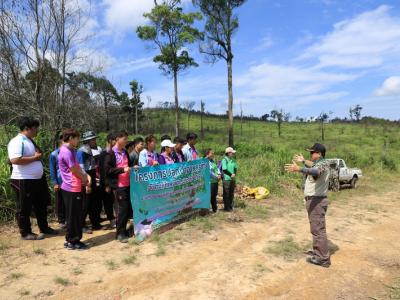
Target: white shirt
21,146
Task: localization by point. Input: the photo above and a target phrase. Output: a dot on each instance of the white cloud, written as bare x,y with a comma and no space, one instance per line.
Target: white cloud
268,80
123,16
390,87
367,40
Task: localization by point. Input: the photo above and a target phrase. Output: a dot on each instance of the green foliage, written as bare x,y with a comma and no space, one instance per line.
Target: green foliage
286,248
170,30
62,281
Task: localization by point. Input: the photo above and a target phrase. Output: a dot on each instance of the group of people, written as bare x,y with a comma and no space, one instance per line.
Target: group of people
87,179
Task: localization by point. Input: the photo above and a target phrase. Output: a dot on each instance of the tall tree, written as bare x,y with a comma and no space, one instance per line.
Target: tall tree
137,90
170,30
189,106
355,112
107,94
278,116
202,109
221,24
323,118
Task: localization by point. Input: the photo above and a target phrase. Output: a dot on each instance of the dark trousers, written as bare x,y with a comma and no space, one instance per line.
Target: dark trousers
73,215
30,194
228,194
214,193
60,207
316,209
91,206
108,204
123,209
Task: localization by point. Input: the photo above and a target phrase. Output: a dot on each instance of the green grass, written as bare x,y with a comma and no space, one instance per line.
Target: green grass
77,271
39,251
111,265
129,260
286,248
394,290
62,281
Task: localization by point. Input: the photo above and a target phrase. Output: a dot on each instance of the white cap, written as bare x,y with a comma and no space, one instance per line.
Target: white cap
230,150
167,143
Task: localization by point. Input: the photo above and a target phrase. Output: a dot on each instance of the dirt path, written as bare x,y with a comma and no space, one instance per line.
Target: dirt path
228,263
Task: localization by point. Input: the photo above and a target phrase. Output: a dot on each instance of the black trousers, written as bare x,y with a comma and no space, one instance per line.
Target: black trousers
228,194
73,215
123,209
60,207
108,203
91,206
30,194
214,193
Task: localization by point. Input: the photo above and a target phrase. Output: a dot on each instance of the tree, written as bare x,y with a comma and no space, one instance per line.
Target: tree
202,109
107,94
137,90
278,116
171,30
221,24
355,112
323,118
189,106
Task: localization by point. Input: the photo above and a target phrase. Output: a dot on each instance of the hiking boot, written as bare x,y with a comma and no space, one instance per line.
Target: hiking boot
32,237
317,262
50,231
87,230
122,238
310,253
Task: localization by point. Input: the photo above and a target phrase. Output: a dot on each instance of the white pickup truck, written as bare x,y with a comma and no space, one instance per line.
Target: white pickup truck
341,174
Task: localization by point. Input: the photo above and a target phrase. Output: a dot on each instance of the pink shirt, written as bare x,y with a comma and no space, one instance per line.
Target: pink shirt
122,162
168,159
66,160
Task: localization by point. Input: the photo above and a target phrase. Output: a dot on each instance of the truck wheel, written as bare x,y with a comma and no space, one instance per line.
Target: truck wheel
353,183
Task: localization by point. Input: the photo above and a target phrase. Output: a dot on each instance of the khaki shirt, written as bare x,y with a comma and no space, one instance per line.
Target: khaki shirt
318,186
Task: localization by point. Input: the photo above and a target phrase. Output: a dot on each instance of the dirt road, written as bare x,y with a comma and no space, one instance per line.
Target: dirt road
231,261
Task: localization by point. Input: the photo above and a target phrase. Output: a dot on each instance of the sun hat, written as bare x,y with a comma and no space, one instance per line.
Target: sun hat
230,150
167,143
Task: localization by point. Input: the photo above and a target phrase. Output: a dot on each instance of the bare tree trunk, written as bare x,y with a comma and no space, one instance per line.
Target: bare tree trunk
176,103
136,117
230,104
202,104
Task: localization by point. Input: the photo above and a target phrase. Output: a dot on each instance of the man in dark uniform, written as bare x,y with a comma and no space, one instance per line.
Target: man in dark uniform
315,192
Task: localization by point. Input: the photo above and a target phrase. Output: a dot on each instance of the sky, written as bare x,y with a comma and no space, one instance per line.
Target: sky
303,56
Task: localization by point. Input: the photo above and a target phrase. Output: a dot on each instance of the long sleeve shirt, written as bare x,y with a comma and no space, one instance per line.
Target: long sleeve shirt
55,175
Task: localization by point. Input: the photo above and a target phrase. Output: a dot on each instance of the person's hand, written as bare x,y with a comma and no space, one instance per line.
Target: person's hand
108,189
155,163
298,158
136,167
127,169
56,187
233,176
38,155
88,189
293,167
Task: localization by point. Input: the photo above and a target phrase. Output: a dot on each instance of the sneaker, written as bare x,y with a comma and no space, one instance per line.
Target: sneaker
80,246
309,252
50,231
87,230
122,238
69,246
317,262
32,237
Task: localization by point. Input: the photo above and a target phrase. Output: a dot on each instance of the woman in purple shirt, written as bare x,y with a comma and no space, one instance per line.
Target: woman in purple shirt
165,158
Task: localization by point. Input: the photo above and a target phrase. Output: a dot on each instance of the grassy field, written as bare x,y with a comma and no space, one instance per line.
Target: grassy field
261,153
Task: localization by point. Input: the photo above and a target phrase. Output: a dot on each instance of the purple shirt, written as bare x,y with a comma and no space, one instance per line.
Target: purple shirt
66,160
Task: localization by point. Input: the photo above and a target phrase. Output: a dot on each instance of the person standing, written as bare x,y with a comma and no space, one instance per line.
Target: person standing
118,167
229,169
215,174
148,157
88,163
56,180
73,178
315,193
105,189
177,154
165,158
138,146
27,180
189,150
